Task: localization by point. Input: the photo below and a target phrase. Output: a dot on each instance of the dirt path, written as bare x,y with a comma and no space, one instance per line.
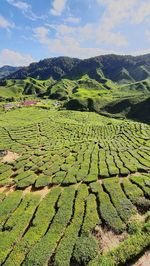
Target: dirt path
108,239
144,260
42,192
10,157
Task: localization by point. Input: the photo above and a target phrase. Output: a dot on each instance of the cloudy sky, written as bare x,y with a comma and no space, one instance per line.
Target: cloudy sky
31,30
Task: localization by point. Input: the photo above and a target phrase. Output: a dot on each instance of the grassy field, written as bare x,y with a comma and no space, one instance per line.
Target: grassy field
69,180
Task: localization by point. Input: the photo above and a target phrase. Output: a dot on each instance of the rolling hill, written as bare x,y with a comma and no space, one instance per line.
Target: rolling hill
105,84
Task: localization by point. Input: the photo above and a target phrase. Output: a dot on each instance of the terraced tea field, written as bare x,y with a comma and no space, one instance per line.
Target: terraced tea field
67,180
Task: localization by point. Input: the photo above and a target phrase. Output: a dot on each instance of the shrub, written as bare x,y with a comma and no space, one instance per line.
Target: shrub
140,181
16,225
91,218
27,181
107,210
42,181
43,217
9,204
86,249
65,247
42,251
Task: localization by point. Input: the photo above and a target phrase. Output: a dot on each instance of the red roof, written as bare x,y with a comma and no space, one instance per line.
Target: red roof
30,102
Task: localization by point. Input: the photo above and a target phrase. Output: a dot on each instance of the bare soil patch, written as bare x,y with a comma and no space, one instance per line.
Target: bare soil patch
10,157
7,189
100,181
108,239
42,191
2,189
144,260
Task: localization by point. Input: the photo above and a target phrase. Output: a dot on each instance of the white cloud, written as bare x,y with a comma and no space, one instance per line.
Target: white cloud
88,39
142,12
141,52
116,12
62,29
4,23
13,58
114,38
89,32
26,9
72,19
19,4
58,7
66,45
148,35
100,35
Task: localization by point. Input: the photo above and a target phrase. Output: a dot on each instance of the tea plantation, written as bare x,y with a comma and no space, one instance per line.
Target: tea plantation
76,174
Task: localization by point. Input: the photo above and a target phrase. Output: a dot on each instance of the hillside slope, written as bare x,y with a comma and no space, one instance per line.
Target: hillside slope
55,68
29,86
112,85
7,70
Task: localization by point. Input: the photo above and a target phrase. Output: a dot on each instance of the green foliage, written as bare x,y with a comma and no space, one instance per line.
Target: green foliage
91,218
134,227
42,181
65,195
42,251
65,248
43,217
123,206
140,181
86,249
8,205
135,194
16,225
107,210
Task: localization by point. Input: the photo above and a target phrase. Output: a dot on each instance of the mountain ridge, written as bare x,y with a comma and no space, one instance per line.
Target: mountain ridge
110,66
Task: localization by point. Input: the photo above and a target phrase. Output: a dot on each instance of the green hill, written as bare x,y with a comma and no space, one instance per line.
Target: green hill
109,84
29,86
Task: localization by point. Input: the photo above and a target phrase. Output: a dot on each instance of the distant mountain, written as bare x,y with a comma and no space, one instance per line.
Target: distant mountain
120,69
55,68
7,70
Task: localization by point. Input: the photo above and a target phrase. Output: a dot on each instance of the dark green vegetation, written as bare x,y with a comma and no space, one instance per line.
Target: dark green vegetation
77,175
118,68
112,85
7,70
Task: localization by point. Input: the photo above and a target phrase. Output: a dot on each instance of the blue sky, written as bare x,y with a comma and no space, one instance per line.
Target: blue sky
31,30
